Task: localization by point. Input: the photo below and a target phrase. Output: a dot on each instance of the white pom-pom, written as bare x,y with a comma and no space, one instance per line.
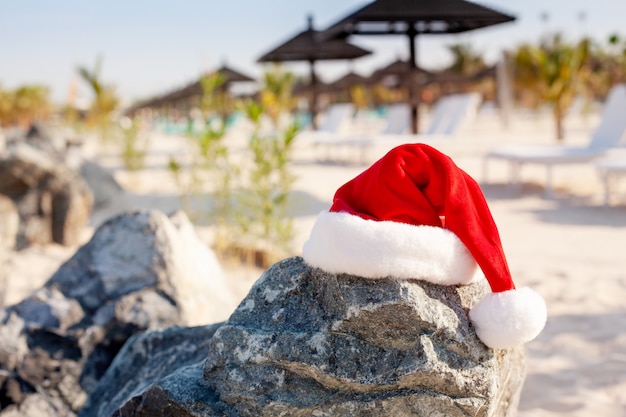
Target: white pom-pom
510,318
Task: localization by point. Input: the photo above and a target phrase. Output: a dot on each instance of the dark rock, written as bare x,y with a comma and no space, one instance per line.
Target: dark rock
141,271
307,343
144,360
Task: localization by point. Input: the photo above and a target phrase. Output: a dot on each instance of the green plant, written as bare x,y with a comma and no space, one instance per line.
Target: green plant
214,158
186,181
264,216
216,101
133,144
24,105
276,95
248,210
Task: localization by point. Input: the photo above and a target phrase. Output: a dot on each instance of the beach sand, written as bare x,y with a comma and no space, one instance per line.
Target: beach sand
569,248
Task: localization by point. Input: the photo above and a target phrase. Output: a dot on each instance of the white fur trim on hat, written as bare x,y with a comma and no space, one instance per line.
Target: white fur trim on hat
344,243
509,318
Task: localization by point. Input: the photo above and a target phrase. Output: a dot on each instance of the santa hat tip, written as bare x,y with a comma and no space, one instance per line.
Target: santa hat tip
510,318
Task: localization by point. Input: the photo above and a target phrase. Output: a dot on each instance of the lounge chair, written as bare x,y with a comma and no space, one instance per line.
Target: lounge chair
336,122
610,170
449,114
607,135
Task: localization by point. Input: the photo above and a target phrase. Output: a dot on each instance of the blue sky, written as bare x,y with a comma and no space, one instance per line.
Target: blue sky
152,46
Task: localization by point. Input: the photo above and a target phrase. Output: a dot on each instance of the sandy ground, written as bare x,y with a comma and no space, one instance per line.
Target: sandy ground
570,248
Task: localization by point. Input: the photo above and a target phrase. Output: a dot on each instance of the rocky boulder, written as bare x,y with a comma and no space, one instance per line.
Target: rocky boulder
47,139
308,343
101,182
147,358
3,142
141,270
53,201
9,223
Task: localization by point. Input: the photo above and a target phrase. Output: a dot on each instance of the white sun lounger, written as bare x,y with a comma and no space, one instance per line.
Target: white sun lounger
610,170
448,116
336,121
607,135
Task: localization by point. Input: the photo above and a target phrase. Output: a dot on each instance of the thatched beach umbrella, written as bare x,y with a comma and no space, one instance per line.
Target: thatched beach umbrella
411,18
349,80
233,76
306,46
398,73
301,88
193,89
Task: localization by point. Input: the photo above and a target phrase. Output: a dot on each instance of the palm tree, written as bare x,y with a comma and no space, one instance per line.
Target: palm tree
607,66
469,64
105,101
553,72
616,59
465,59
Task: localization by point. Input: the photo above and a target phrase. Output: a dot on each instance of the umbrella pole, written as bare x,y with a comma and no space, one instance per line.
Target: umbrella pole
313,102
414,93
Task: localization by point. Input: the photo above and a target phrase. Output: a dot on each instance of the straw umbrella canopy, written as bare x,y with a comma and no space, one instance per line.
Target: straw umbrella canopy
399,72
193,89
349,80
306,46
301,87
233,76
411,18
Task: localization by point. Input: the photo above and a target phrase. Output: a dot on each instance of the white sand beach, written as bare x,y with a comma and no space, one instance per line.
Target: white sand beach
569,248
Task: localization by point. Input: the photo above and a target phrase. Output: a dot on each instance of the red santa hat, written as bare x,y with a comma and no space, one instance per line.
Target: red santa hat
415,215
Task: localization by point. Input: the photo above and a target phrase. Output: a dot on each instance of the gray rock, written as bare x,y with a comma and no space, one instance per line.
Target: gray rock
147,249
101,182
9,224
53,201
3,142
140,271
307,343
46,138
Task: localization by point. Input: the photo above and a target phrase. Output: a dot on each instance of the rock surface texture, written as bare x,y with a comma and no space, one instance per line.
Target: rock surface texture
307,343
140,271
